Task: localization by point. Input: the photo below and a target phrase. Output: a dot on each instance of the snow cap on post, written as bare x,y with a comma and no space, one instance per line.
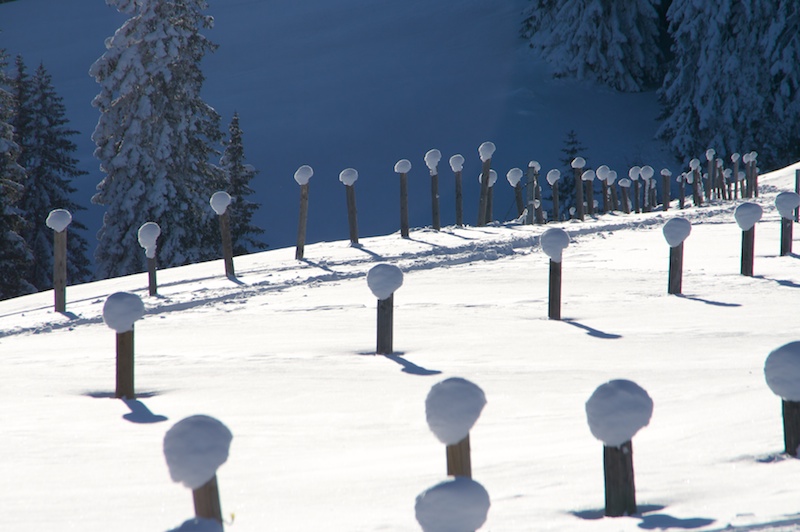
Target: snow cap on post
553,176
634,173
403,166
303,174
617,410
454,505
58,219
578,162
786,203
220,201
602,172
782,371
486,150
676,230
514,176
457,162
554,241
747,215
694,164
432,159
647,172
148,236
452,407
121,310
588,175
535,165
710,154
625,182
492,178
384,280
735,157
611,177
348,176
666,172
194,448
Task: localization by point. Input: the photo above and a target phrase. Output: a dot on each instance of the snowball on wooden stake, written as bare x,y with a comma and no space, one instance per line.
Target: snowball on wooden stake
456,162
384,279
514,176
148,235
403,166
554,241
452,407
647,172
634,173
786,203
676,230
588,175
782,371
602,172
303,174
611,177
710,154
694,164
121,310
617,410
492,178
578,162
486,150
455,505
58,219
432,158
220,201
747,215
194,448
553,176
348,176
535,165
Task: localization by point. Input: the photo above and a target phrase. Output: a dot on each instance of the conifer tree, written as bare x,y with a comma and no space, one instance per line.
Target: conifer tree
572,148
238,175
43,135
156,136
15,256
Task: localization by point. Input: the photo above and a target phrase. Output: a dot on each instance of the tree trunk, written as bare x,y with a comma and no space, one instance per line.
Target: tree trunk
619,483
301,226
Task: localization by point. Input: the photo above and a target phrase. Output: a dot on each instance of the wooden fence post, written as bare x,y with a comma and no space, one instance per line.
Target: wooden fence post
383,280
537,193
385,326
457,166
780,371
624,186
647,173
58,220
554,292
489,208
797,191
302,176
735,160
486,151
348,177
676,231
634,173
120,311
711,182
206,501
747,215
552,179
402,167
148,237
577,169
432,158
612,178
754,173
554,241
514,177
220,201
787,203
588,181
666,193
620,487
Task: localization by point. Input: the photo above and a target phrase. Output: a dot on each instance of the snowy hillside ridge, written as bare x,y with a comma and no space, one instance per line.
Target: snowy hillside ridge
329,262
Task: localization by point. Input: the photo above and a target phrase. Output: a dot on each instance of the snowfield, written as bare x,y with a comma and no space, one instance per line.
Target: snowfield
329,436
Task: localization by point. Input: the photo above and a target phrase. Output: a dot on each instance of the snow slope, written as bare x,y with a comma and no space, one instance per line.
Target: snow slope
329,436
362,84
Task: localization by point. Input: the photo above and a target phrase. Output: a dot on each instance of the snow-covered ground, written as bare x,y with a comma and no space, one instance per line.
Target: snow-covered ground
329,436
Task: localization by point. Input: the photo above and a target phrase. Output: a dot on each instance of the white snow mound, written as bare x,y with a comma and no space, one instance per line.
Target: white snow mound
611,177
432,158
486,150
747,215
348,176
452,407
782,371
553,176
121,310
303,174
492,177
647,172
554,241
148,236
588,175
403,166
455,505
617,410
514,176
786,203
58,219
676,230
220,201
535,165
457,162
194,448
578,162
384,280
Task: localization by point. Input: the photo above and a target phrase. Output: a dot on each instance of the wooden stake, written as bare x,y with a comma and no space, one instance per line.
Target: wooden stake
484,198
206,501
579,211
556,214
459,462
60,270
636,207
748,251
682,196
352,215
489,206
589,197
697,196
711,185
125,365
459,201
791,427
301,226
227,247
614,200
786,236
404,230
435,201
385,325
675,269
626,204
530,195
619,483
554,303
665,192
606,204
152,286
537,196
520,201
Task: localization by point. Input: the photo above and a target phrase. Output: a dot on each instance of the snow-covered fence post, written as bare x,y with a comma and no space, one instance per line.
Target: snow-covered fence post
735,160
302,176
58,220
451,408
747,215
120,311
634,173
711,182
753,174
695,180
489,195
402,167
616,411
577,169
456,504
602,175
588,182
486,151
534,195
722,180
676,231
194,448
797,191
383,280
681,179
554,241
220,201
647,173
348,177
148,237
787,203
514,177
432,158
782,372
457,166
727,177
665,189
625,185
552,179
611,178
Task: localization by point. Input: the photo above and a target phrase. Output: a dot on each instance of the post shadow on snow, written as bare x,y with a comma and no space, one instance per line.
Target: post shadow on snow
139,413
369,252
595,333
708,301
235,280
323,267
651,520
68,314
408,366
782,282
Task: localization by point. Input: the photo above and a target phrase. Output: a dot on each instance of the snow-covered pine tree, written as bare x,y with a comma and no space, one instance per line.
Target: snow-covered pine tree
239,174
615,43
572,148
42,133
15,256
156,136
